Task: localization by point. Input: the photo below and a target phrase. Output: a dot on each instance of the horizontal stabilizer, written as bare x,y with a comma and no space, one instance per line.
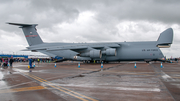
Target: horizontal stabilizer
24,25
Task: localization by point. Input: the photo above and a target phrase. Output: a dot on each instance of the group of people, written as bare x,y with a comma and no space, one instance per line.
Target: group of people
4,62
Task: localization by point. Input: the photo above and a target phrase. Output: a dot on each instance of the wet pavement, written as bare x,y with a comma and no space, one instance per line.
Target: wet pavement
90,82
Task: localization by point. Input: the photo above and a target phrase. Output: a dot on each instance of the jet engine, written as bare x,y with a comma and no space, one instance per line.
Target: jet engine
110,52
92,54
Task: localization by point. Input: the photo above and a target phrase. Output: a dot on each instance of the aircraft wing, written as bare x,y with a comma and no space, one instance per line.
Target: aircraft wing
79,48
47,53
102,45
66,48
42,51
74,47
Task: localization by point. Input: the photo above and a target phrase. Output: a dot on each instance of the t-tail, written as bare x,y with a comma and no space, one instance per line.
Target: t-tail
30,33
165,39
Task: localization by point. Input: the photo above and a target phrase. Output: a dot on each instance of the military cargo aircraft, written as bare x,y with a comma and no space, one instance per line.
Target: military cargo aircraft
107,51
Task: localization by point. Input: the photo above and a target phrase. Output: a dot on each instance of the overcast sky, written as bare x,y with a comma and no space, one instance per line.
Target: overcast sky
89,21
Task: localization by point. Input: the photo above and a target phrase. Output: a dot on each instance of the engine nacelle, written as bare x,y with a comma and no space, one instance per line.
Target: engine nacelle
110,52
95,54
92,54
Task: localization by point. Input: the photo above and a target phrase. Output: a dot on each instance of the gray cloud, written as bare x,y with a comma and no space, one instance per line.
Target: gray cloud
148,17
48,12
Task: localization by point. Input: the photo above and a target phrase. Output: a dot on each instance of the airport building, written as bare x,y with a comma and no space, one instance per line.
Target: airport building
22,56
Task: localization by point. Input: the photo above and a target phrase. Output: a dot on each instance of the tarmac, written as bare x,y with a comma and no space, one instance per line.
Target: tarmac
91,82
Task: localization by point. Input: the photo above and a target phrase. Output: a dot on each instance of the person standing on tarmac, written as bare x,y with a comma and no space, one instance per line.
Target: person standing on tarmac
6,62
30,62
11,62
38,61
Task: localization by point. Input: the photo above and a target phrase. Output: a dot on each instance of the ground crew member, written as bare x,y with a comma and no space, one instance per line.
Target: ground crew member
38,61
30,63
11,62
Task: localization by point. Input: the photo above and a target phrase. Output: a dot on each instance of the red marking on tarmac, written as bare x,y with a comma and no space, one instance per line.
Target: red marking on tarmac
31,35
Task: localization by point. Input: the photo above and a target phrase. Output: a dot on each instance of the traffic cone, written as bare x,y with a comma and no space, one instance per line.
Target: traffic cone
135,65
79,65
34,64
101,64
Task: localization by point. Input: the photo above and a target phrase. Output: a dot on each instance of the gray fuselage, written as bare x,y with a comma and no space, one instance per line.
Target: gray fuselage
128,51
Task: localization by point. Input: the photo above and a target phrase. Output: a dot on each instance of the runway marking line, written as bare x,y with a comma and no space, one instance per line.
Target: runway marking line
41,88
78,94
62,89
22,89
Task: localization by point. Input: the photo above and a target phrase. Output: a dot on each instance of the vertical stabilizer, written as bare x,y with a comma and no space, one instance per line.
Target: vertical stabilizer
30,33
165,39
